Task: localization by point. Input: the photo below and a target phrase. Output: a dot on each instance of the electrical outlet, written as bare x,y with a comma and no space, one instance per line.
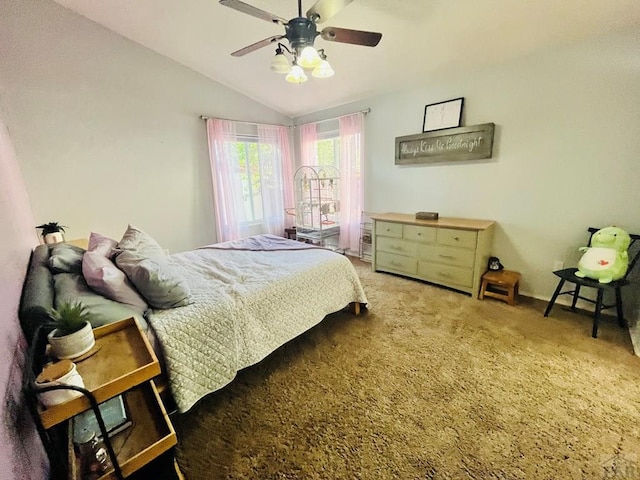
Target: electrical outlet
558,265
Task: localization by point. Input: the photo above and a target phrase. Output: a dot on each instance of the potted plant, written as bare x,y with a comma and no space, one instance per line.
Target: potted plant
52,232
73,335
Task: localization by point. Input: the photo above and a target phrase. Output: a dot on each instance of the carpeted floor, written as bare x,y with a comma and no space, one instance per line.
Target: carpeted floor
427,384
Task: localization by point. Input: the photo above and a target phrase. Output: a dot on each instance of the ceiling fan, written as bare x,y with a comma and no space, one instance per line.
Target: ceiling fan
301,33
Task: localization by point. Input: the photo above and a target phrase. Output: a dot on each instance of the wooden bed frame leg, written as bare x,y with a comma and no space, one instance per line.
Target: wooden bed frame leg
356,308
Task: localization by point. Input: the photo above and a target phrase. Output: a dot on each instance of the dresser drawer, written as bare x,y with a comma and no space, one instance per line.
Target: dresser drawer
446,274
459,257
450,251
419,234
398,263
396,245
389,229
457,238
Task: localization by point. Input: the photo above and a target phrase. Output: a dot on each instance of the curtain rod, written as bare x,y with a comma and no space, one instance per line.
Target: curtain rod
206,117
364,112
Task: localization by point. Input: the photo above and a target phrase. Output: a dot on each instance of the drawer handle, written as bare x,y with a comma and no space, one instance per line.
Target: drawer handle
456,238
396,264
443,274
446,256
396,247
388,230
419,233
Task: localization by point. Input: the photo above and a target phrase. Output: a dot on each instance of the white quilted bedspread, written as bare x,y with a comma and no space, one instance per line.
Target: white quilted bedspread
246,305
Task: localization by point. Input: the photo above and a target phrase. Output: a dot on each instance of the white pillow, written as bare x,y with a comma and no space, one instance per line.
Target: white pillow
101,244
159,284
102,275
138,242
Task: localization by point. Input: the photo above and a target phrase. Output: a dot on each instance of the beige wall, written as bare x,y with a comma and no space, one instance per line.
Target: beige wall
108,132
566,154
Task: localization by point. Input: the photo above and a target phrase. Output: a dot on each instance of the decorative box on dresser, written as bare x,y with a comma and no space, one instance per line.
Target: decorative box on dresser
452,252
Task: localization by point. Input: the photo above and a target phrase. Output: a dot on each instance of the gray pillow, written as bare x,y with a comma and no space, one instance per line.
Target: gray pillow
66,258
159,284
136,241
71,287
37,292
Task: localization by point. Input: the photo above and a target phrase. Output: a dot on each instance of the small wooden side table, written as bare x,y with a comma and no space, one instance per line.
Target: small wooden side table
500,284
290,233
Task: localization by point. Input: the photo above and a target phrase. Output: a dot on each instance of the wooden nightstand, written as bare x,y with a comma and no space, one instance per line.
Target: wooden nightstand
123,363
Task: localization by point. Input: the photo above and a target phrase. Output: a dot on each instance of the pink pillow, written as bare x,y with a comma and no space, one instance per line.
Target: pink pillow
102,275
101,244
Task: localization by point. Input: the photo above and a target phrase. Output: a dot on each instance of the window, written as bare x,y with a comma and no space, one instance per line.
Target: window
339,142
328,149
248,165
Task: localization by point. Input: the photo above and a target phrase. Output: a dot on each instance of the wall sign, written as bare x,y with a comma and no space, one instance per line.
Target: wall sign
452,144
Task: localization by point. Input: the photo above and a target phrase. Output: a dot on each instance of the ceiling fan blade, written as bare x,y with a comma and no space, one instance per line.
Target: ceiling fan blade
323,10
253,11
256,46
346,35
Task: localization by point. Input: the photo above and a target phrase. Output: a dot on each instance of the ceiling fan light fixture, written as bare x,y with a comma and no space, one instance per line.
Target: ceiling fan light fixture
280,63
309,57
296,75
300,32
323,70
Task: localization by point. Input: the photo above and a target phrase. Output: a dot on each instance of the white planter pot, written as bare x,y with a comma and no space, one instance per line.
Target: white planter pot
74,345
66,374
55,237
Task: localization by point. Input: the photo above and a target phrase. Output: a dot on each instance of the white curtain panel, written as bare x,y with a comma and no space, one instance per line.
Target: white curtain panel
227,183
276,172
276,175
308,148
351,175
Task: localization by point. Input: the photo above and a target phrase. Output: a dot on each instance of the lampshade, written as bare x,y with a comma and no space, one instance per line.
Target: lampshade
323,70
309,57
280,63
296,75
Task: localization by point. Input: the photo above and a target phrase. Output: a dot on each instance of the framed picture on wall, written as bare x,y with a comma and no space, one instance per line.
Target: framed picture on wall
438,116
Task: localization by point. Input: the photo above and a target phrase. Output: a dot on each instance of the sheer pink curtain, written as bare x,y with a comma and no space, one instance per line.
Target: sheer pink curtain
351,175
276,172
276,180
308,149
227,183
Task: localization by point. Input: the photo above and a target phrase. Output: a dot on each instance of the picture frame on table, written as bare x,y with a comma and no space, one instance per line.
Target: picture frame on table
441,115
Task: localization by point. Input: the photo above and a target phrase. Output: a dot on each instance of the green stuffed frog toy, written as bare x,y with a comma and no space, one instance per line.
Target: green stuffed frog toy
607,258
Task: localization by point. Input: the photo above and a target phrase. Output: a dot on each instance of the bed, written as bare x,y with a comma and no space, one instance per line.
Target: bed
245,299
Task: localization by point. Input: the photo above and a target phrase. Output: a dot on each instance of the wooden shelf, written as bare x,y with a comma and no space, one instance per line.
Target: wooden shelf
122,362
124,358
150,436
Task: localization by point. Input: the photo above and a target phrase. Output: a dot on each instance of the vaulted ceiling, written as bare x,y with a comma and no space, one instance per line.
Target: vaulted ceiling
421,39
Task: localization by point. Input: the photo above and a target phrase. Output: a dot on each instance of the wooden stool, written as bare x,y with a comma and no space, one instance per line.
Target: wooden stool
290,233
503,283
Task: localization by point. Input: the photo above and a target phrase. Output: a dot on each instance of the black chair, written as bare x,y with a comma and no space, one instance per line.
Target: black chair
615,287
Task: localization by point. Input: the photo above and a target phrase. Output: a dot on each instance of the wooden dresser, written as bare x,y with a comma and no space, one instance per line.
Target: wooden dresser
452,252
